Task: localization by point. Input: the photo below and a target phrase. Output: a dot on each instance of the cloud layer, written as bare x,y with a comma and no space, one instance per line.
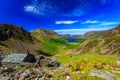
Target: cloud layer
90,22
109,23
92,25
79,31
65,22
65,7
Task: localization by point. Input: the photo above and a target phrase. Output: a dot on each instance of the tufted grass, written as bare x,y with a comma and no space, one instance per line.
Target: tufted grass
84,63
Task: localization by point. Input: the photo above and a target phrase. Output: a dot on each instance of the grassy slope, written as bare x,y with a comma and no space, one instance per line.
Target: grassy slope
16,39
51,43
87,62
106,43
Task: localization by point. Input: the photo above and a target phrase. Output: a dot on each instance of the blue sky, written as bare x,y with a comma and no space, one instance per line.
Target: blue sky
62,16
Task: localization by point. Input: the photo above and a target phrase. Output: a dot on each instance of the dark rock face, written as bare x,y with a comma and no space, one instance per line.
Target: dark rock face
3,54
11,31
30,58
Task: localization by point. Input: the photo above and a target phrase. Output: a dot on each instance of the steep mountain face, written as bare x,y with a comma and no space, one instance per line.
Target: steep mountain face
7,31
107,42
90,34
16,39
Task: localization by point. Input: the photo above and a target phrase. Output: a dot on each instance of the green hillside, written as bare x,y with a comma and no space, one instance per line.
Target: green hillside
16,39
52,43
107,42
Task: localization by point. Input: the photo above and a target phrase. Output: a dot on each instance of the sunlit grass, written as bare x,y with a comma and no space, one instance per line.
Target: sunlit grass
84,63
91,57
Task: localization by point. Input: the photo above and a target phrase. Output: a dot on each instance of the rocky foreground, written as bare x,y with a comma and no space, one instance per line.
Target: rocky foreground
63,67
42,69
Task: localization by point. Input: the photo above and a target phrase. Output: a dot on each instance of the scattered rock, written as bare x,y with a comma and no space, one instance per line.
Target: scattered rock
85,59
25,74
43,61
118,62
102,74
38,79
1,71
4,78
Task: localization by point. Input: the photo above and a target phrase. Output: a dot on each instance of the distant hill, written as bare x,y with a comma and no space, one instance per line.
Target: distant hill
16,39
107,42
80,38
90,34
72,38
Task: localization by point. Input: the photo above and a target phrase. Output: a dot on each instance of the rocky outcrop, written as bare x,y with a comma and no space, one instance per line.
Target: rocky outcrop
103,74
42,69
43,61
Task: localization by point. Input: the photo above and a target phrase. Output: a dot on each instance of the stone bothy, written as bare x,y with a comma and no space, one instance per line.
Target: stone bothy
16,60
13,58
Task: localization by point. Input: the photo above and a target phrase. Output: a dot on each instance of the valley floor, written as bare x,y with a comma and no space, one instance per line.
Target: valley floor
88,67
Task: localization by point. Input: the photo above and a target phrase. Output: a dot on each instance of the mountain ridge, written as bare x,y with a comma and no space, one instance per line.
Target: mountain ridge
107,42
15,38
8,31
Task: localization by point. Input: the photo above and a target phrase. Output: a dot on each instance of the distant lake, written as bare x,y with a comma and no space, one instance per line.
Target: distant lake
72,40
75,40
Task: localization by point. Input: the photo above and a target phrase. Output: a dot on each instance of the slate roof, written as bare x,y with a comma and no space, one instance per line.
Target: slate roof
14,58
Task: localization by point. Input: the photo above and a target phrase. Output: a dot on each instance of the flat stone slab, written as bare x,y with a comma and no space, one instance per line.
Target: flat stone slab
4,78
14,58
102,74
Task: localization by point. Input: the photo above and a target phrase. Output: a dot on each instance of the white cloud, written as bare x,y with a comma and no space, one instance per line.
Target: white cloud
96,23
101,25
36,7
90,22
30,8
65,22
99,22
108,23
78,31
